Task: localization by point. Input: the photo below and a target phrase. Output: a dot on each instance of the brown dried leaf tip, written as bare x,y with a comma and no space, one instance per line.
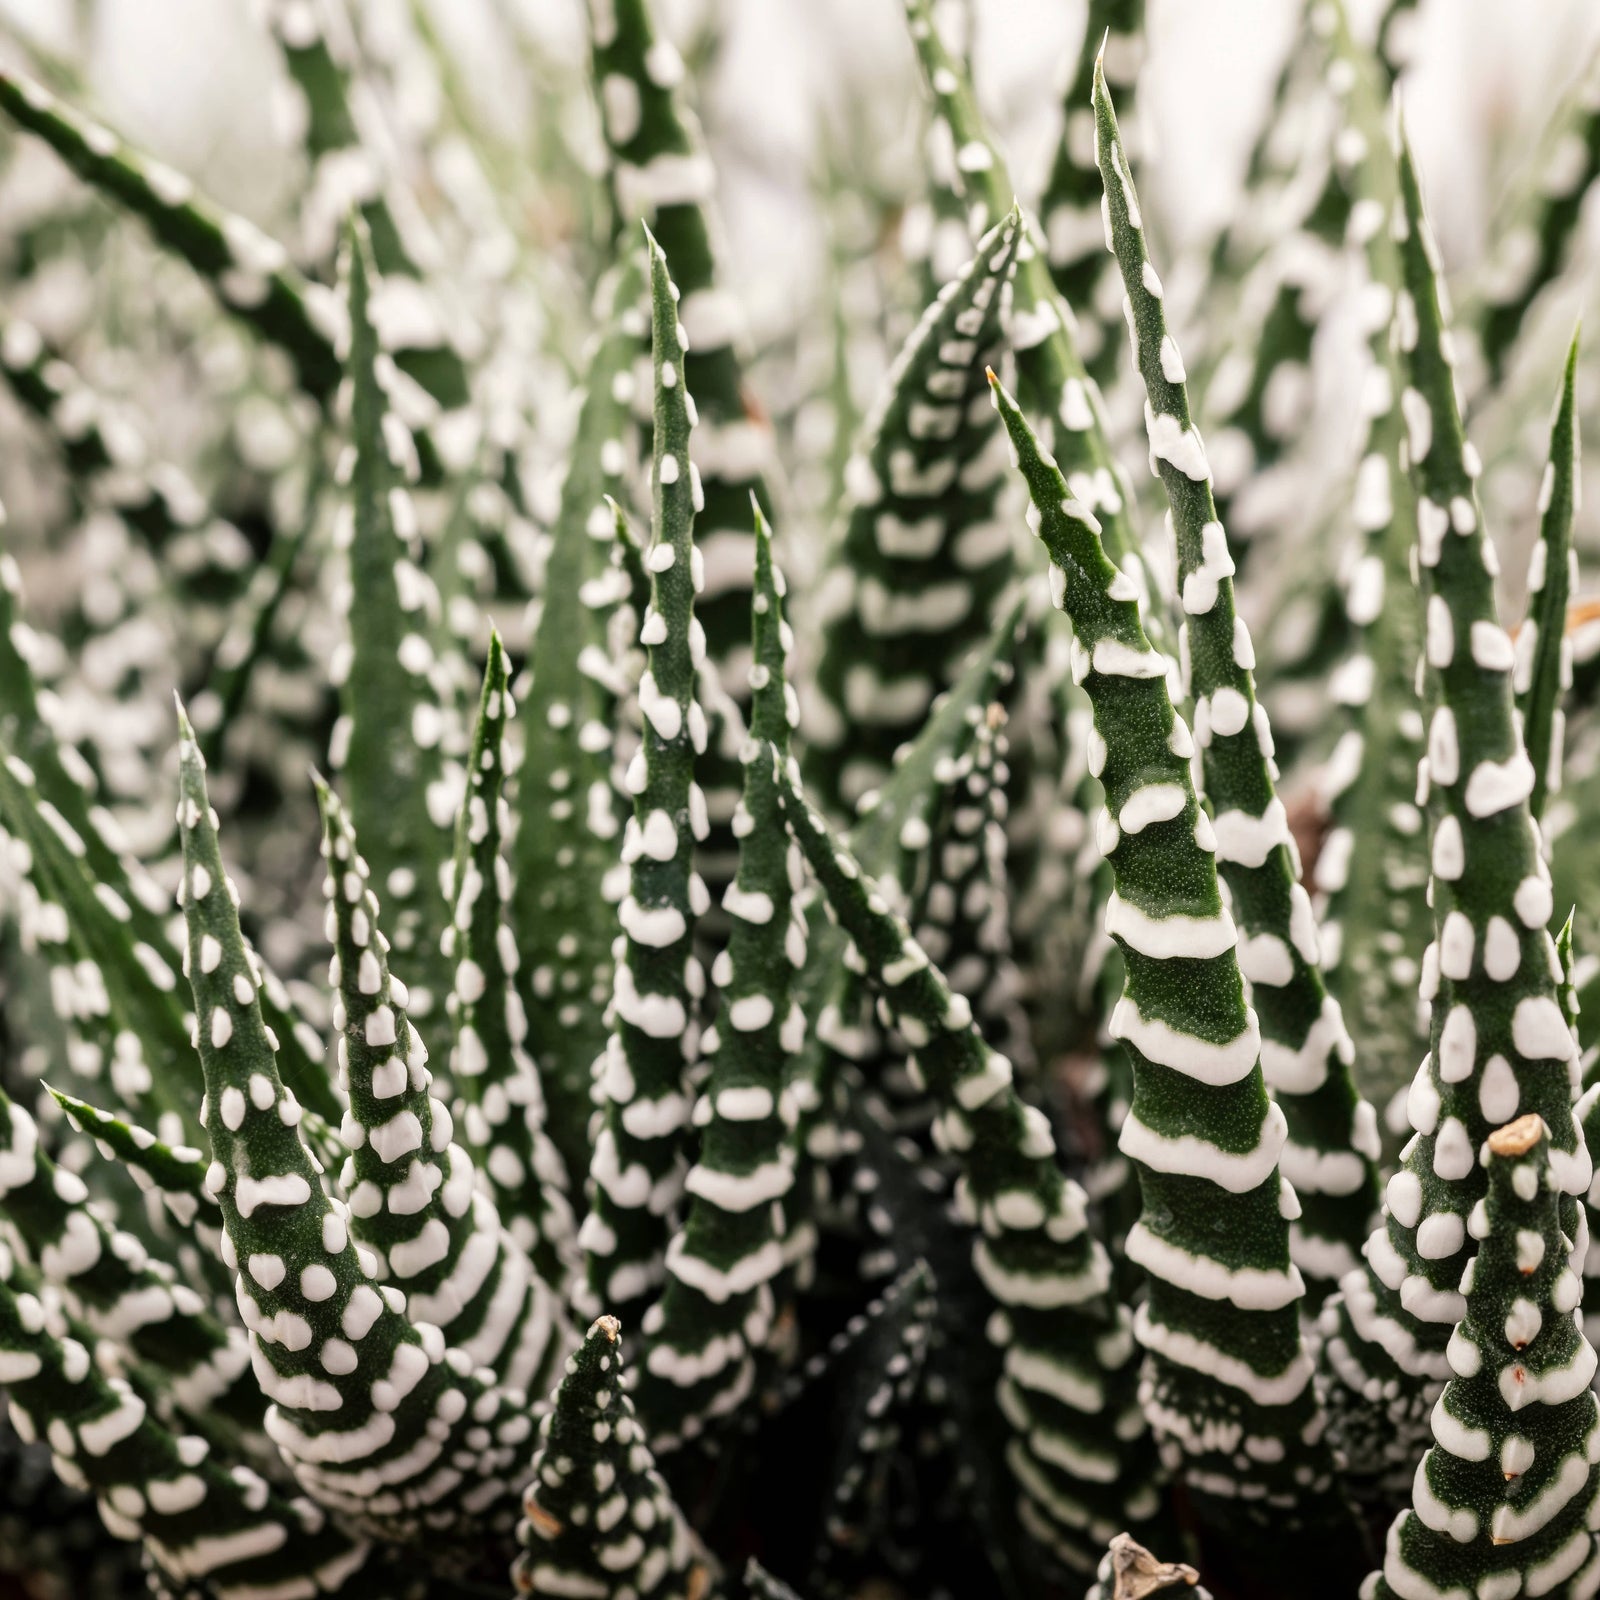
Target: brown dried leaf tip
1137,1573
545,1525
1519,1137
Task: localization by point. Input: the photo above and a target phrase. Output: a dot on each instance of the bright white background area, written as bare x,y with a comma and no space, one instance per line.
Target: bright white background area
192,80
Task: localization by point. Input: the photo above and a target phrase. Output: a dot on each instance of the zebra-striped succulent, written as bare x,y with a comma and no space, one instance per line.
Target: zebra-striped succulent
810,1044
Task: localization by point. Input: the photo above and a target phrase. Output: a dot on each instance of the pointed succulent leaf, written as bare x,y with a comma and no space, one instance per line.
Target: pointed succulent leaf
961,909
249,271
637,1165
1373,899
717,1311
1503,1500
394,727
1077,1449
599,1517
1535,235
1543,670
890,1360
830,990
1069,210
924,553
202,1521
319,1328
414,1200
660,172
177,1172
345,168
566,812
501,1099
1501,1046
1332,1148
1041,326
1220,1325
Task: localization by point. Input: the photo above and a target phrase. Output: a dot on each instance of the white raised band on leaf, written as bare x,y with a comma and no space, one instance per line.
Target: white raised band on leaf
1201,1059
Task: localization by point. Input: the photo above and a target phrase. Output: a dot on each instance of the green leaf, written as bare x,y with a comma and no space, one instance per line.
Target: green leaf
659,172
924,553
828,989
173,1172
116,914
501,1100
1041,326
394,728
120,991
1374,909
1220,1325
717,1311
1543,670
1306,1053
594,1457
118,1291
249,272
1505,1495
1500,1045
638,1165
345,168
566,807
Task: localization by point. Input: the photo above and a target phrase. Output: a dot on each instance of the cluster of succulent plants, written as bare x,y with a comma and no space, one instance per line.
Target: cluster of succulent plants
568,1064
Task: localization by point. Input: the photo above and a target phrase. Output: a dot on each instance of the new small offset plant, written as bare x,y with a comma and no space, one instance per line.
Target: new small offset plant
632,972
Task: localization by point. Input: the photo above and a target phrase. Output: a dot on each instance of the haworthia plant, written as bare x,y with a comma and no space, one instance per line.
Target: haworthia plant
1502,1502
924,553
1041,326
225,1527
361,1445
174,1173
1226,1358
125,1015
833,993
289,1265
330,104
1306,1054
637,1166
1500,1045
117,1291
